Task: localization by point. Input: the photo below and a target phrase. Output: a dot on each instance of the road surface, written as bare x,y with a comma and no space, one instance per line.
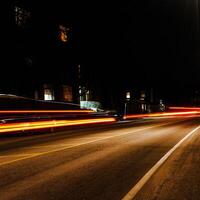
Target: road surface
104,162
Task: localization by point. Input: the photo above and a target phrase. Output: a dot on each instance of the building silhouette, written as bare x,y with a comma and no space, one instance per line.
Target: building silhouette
43,51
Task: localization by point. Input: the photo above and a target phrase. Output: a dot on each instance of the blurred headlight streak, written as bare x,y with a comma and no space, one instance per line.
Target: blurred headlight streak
14,127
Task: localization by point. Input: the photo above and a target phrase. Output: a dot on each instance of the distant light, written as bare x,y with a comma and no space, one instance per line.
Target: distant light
63,33
143,95
128,95
21,16
49,95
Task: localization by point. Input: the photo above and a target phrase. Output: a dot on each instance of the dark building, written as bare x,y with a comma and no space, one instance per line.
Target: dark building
55,54
43,51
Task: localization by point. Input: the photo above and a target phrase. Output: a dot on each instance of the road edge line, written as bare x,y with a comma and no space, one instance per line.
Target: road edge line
133,192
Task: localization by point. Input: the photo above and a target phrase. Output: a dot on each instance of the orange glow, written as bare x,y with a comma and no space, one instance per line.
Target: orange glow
63,36
161,114
12,127
63,33
44,111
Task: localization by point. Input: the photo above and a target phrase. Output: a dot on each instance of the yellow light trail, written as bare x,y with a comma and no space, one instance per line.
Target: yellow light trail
14,127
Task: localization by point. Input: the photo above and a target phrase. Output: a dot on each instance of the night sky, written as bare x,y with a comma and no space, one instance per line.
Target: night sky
127,45
146,44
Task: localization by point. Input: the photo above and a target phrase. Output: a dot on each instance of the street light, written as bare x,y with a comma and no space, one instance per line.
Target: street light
128,96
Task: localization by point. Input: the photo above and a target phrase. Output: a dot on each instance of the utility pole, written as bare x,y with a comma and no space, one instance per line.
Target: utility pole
197,19
125,110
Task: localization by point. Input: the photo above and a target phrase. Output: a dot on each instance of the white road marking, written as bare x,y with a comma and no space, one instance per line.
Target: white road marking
133,192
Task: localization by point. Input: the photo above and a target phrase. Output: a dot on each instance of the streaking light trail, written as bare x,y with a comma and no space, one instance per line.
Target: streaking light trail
13,127
162,114
44,111
184,108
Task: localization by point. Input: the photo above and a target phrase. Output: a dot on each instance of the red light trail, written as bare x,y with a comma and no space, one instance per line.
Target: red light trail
184,108
162,114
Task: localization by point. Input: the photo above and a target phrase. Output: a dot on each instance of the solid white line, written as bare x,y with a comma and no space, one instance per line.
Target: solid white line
133,192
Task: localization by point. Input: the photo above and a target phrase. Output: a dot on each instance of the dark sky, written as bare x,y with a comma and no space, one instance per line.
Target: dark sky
133,44
145,44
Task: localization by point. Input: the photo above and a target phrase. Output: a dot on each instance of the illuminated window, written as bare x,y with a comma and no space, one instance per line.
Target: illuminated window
143,95
67,93
49,95
84,94
87,95
21,16
142,106
63,33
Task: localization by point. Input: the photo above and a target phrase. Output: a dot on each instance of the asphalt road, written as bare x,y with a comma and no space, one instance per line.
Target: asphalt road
104,162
